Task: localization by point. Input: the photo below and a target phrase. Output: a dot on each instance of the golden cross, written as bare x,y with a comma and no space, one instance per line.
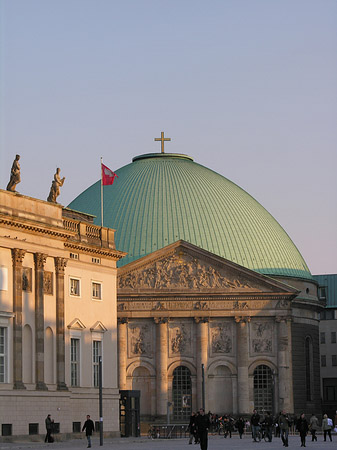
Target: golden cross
162,139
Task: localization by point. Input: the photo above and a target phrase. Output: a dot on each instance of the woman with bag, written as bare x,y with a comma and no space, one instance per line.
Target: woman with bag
326,427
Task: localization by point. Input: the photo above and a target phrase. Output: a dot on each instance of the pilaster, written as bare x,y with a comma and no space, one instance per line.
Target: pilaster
161,365
17,259
202,357
242,363
122,352
39,260
60,265
285,383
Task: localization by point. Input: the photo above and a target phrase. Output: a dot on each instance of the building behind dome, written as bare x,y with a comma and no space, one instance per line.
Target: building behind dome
211,279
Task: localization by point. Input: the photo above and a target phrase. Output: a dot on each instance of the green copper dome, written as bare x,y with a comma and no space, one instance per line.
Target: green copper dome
161,198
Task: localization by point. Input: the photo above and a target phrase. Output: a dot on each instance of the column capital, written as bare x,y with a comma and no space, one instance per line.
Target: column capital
201,319
159,320
242,319
122,320
60,264
285,319
40,260
17,255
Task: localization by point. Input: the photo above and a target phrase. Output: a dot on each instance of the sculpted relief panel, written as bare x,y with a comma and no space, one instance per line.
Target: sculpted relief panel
180,340
178,271
221,336
140,340
261,338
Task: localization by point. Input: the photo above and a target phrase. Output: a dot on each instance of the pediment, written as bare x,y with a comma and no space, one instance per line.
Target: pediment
98,327
183,267
76,324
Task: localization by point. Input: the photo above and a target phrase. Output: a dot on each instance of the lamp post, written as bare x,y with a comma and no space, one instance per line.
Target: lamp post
100,378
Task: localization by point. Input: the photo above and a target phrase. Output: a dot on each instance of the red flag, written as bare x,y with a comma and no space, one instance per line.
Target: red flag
108,176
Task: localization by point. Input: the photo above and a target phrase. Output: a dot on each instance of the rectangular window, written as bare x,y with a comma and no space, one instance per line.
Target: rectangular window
3,354
96,260
333,337
96,353
75,287
96,291
334,360
322,338
330,389
323,360
75,361
322,292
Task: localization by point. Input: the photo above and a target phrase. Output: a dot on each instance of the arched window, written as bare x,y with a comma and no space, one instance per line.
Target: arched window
263,389
182,393
309,368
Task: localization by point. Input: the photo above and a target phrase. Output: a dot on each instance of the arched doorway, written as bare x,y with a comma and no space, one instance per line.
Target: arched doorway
141,381
220,397
263,389
182,393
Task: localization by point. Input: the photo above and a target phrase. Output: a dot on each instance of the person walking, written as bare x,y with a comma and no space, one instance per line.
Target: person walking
268,423
255,422
284,423
49,427
326,427
314,426
192,429
303,428
240,425
89,428
202,422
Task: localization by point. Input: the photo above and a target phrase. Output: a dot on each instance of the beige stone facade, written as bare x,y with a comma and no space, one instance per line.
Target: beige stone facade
57,316
182,309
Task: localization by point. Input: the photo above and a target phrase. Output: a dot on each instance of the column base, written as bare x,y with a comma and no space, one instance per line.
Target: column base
41,386
61,386
19,385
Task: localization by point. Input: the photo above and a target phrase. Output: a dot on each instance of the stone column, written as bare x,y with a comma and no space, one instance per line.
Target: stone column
202,358
242,351
60,265
285,384
122,352
17,258
161,363
40,260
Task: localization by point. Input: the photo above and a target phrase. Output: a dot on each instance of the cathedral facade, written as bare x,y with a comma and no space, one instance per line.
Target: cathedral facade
215,303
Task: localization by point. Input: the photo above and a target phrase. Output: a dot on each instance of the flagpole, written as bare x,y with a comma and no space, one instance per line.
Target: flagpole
101,194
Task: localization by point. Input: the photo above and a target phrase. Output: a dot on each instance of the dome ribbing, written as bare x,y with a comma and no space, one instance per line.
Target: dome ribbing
161,198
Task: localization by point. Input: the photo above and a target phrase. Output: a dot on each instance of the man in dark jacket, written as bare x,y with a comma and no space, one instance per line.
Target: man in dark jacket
89,428
203,423
49,427
255,421
284,423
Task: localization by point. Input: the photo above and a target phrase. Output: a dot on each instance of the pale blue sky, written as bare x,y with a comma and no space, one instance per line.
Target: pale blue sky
246,87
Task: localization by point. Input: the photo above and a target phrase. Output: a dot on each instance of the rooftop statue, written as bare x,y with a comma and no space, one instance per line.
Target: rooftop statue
15,175
55,187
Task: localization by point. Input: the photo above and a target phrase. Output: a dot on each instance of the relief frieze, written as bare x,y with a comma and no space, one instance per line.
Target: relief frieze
221,335
261,337
176,272
180,339
140,340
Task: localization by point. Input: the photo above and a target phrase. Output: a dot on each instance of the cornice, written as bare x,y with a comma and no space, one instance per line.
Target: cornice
107,253
35,229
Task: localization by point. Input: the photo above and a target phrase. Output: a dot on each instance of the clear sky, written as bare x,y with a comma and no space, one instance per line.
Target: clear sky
247,88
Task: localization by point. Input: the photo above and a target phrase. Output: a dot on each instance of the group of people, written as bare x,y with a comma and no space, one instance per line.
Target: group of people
200,423
88,427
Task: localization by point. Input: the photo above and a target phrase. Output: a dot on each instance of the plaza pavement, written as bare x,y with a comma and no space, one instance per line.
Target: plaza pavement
214,443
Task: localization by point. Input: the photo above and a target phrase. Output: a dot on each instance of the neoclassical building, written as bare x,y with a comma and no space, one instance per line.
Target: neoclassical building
212,294
57,317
